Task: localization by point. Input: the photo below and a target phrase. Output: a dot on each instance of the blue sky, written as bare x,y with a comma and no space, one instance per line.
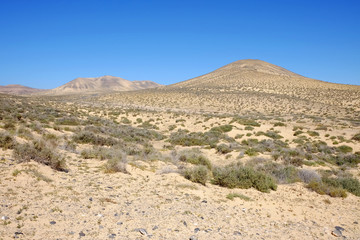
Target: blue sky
45,44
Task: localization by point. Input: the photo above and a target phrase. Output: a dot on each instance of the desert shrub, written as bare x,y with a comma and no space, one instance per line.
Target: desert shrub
197,174
356,137
279,124
223,128
223,148
184,138
71,121
344,149
273,135
238,136
313,133
350,184
125,120
237,176
9,126
91,138
321,127
251,152
6,141
231,196
148,125
24,133
172,127
282,174
194,156
249,128
40,152
323,188
246,122
308,176
116,164
345,159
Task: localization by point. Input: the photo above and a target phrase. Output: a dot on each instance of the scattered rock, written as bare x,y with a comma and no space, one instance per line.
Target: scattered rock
196,230
338,231
185,223
81,234
52,222
193,238
356,222
90,199
142,231
154,228
19,233
4,218
237,233
113,235
204,201
119,223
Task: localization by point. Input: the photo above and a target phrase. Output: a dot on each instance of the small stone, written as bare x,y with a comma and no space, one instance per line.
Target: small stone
196,230
154,228
81,234
119,223
113,235
185,223
4,218
52,222
19,233
237,233
208,230
142,231
90,199
339,228
193,238
356,222
71,233
336,233
204,201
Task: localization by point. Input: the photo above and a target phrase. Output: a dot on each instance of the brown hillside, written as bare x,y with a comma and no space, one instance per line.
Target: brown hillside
16,89
250,86
101,84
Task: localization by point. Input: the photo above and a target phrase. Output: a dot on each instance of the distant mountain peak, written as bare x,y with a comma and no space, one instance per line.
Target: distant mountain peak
259,66
105,83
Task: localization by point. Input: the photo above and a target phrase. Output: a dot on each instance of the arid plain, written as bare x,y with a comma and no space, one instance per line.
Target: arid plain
249,151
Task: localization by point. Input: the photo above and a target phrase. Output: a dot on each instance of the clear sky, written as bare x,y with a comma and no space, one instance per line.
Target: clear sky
45,44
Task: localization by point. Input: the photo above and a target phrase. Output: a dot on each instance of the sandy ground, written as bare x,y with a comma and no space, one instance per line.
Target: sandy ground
87,202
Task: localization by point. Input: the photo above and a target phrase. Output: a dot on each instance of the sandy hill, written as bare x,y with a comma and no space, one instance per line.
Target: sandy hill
251,86
16,89
101,84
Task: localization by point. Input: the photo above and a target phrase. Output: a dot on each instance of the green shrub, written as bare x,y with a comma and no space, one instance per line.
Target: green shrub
323,188
197,174
222,129
350,184
344,149
7,141
231,196
116,164
194,156
279,124
246,122
71,121
40,152
313,133
237,176
223,148
184,138
91,138
356,137
251,152
248,128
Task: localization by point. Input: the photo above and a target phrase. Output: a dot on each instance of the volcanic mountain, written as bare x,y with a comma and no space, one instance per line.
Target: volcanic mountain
250,86
16,89
101,84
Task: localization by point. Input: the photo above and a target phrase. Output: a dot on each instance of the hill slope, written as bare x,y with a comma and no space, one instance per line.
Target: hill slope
101,84
16,89
250,86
